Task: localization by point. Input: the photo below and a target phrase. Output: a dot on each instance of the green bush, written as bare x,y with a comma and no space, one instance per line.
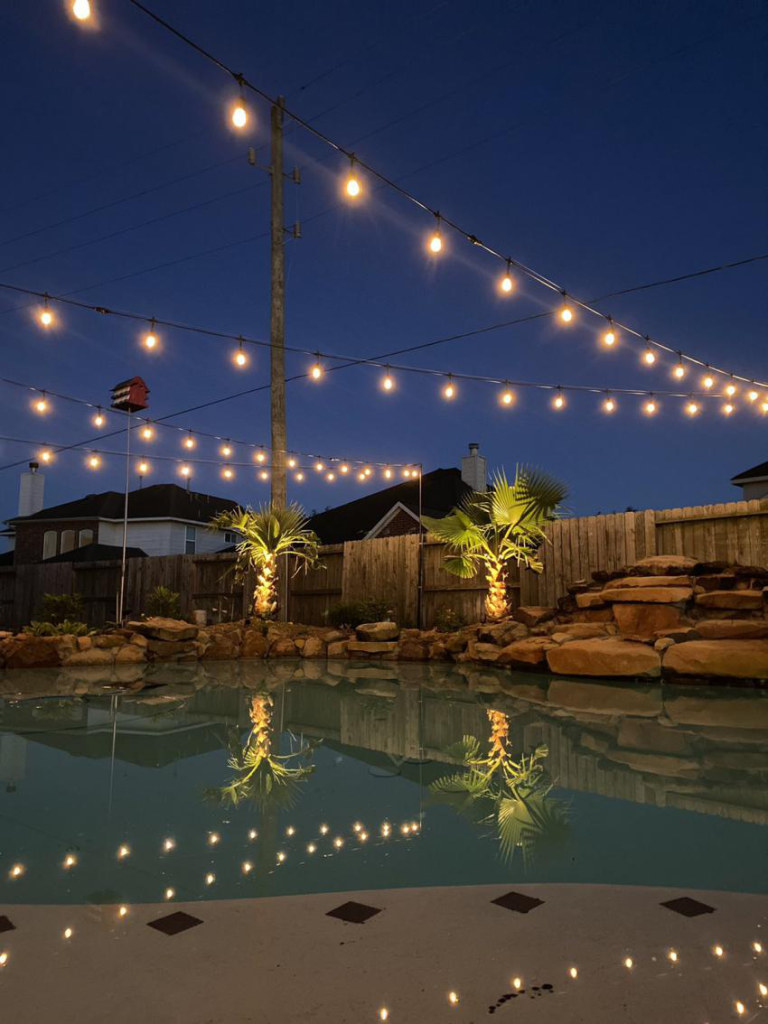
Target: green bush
58,608
65,628
165,603
354,613
448,620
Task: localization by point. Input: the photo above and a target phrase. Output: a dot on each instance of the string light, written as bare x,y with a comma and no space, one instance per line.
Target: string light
649,357
728,408
740,1007
150,338
247,867
324,830
70,860
226,450
672,955
344,468
679,371
46,456
99,418
752,396
436,239
730,389
507,397
718,951
453,998
281,857
692,408
228,473
650,407
387,474
316,371
239,111
573,972
383,1013
210,878
143,468
240,358
449,391
609,405
319,466
299,478
506,283
169,844
68,933
169,893
41,405
3,958
764,408
123,911
252,834
214,838
566,312
338,842
93,461
558,402
148,432
311,847
185,470
45,315
263,475
517,984
260,455
123,852
189,441
353,187
81,9
16,871
758,947
629,963
708,381
609,337
387,381
291,463
762,989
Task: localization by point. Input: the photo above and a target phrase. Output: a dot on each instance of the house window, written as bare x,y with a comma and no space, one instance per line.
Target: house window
50,541
229,537
67,541
190,540
86,537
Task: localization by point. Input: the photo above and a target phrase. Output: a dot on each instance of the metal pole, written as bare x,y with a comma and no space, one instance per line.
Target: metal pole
121,599
277,324
420,592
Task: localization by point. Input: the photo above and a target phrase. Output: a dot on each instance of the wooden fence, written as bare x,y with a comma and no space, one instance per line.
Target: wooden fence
389,569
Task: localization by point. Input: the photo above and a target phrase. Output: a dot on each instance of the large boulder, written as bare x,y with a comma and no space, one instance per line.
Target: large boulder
737,659
606,658
533,615
478,651
664,565
605,699
732,629
28,651
648,595
652,581
313,647
371,648
739,600
413,650
284,647
255,643
130,654
337,648
643,621
92,656
529,653
590,599
378,631
161,628
581,631
502,633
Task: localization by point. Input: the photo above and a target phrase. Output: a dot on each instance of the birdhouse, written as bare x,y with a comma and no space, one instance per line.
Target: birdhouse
130,395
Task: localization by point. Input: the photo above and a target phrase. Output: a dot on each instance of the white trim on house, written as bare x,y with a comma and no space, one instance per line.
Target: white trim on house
108,519
739,481
396,508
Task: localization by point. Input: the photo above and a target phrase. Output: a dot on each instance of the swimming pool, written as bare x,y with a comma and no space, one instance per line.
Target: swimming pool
114,790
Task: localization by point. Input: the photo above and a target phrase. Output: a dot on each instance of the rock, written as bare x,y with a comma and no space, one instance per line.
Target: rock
129,654
337,649
314,647
732,629
165,649
456,643
644,621
369,647
664,565
381,688
723,712
737,659
611,657
680,634
84,642
605,699
165,629
106,641
652,581
438,651
741,600
378,631
502,633
656,764
737,760
478,651
648,595
284,647
582,630
524,691
255,643
643,735
93,656
533,615
333,636
592,599
526,653
28,651
604,614
718,581
137,639
663,643
593,741
222,647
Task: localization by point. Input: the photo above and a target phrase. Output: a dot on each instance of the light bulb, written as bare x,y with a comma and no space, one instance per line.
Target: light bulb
708,381
311,847
609,337
566,314
673,955
649,357
147,433
506,284
436,243
240,358
123,911
239,114
629,963
253,834
650,407
143,468
263,475
387,474
574,973
453,998
363,836
609,405
226,450
3,959
210,878
758,947
41,406
169,844
762,989
185,470
281,857
99,419
123,852
692,408
383,1013
46,456
324,830
316,372
338,842
70,860
45,316
728,408
507,397
16,871
558,402
730,390
361,477
261,455
214,839
299,477
387,383
68,933
368,471
247,867
189,441
330,477
517,984
407,473
679,371
764,407
740,1007
353,188
718,951
81,9
94,461
169,893
449,391
753,396
150,340
344,468
319,467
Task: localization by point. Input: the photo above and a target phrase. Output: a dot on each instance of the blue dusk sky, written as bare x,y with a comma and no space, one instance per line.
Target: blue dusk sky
606,145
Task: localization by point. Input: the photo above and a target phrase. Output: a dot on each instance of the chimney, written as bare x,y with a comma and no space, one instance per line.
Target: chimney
474,469
31,490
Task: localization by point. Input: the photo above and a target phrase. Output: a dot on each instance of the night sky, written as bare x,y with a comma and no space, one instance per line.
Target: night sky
607,145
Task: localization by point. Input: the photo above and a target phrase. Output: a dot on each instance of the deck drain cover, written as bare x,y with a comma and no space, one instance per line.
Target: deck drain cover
518,901
355,913
172,924
688,907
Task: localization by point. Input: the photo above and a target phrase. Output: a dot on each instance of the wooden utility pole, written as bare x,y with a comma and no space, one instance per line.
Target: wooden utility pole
277,323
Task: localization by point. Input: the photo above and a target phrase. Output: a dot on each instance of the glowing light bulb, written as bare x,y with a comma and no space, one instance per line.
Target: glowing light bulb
692,408
405,828
730,390
708,381
68,933
753,396
407,473
169,844
240,358
609,338
558,402
436,243
361,477
46,317
210,878
762,989
740,1007
363,836
94,461
263,475
383,1013
122,912
367,471
672,954
649,357
3,959
449,391
247,867
344,468
357,827
41,406
290,831
46,456
324,830
123,852
81,9
281,857
228,473
338,842
507,397
415,826
147,432
150,340
573,971
16,871
189,441
99,419
758,947
316,372
226,450
728,408
353,187
239,115
319,466
185,470
214,839
609,405
143,468
453,998
517,984
261,455
679,371
629,963
70,860
299,477
764,407
330,477
387,474
311,847
506,283
386,829
291,463
650,407
169,893
387,383
718,951
253,834
566,314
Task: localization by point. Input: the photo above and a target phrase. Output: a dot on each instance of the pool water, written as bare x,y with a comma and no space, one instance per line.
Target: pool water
633,785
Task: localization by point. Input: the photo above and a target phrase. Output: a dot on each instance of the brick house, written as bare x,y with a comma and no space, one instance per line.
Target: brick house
395,510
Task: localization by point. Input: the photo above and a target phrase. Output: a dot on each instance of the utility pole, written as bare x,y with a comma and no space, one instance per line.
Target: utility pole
277,322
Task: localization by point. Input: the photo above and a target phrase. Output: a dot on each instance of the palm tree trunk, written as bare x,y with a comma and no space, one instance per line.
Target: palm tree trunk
261,719
496,604
265,594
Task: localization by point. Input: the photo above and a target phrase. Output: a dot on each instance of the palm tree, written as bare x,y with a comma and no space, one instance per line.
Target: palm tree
494,527
267,534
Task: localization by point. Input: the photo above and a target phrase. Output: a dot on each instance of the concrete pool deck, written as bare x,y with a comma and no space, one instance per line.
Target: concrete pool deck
284,960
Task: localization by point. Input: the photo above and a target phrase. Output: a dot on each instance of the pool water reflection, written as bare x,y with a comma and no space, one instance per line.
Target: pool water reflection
256,779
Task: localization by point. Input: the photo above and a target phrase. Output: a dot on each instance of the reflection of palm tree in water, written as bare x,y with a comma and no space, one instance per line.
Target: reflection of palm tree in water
513,796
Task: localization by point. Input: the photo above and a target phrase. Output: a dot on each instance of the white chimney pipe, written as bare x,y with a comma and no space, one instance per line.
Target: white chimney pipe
31,491
474,469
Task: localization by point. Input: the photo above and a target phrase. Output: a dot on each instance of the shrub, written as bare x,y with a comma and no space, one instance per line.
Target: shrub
65,628
57,608
354,613
164,602
448,620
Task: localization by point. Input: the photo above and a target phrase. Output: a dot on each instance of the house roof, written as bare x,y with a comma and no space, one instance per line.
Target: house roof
96,553
161,501
441,490
756,473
